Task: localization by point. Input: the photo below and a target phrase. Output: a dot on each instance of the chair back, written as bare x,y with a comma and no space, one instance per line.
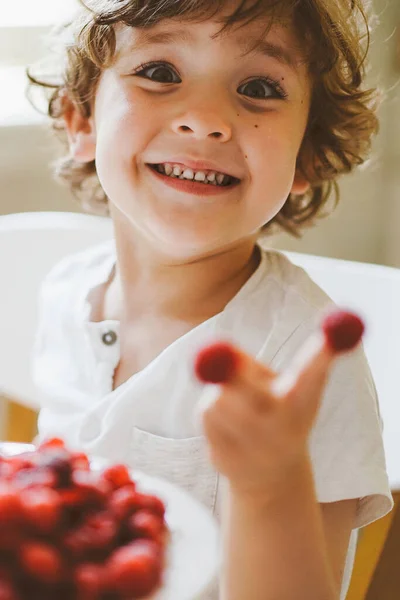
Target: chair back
31,243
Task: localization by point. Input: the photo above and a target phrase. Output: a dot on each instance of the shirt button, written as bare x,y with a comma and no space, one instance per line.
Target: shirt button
109,338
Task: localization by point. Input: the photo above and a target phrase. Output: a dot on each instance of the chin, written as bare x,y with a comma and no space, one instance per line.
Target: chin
188,246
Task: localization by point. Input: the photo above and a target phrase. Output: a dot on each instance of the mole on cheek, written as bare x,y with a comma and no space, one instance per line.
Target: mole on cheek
256,126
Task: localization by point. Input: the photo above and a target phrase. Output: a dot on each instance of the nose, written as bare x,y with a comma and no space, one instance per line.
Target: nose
203,123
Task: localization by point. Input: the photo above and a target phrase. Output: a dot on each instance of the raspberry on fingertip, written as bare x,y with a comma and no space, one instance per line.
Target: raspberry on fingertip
343,330
217,363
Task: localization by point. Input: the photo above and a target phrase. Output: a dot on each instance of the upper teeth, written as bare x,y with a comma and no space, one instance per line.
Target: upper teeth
186,173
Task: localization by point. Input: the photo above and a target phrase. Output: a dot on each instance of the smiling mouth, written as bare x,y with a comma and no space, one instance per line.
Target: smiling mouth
213,178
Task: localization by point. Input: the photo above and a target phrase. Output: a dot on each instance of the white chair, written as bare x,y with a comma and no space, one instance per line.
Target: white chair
31,243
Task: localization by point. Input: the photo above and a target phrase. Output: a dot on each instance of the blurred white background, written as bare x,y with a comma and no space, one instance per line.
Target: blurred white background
364,227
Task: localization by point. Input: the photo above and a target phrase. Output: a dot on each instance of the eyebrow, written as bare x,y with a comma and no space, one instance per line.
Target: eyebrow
182,36
271,50
160,38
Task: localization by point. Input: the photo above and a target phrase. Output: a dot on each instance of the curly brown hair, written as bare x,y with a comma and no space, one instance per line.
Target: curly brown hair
342,118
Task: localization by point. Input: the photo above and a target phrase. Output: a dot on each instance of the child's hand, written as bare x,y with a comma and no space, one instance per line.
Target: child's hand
259,422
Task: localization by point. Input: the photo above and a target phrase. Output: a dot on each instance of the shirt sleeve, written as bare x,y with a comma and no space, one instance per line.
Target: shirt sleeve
346,444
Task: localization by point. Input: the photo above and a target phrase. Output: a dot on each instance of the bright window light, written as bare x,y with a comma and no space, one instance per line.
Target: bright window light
38,13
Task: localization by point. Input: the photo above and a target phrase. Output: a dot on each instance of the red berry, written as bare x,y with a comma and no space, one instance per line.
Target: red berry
7,591
123,502
73,498
152,503
34,477
52,443
343,330
10,506
42,562
101,530
135,570
97,532
217,363
145,524
94,488
118,476
58,462
41,508
60,523
80,461
89,581
10,537
6,470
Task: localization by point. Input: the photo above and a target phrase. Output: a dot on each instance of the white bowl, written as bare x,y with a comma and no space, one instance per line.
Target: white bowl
193,554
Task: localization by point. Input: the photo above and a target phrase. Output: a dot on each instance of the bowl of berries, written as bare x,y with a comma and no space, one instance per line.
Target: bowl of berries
78,529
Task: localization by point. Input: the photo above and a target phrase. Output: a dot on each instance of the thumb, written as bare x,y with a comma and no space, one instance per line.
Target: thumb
306,377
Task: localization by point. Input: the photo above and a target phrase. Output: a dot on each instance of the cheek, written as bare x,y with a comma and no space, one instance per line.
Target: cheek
271,156
120,122
273,161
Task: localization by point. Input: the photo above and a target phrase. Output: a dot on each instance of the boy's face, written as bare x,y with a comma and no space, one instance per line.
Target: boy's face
177,97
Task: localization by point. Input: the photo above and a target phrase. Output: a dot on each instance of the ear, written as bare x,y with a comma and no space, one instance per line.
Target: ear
81,134
300,184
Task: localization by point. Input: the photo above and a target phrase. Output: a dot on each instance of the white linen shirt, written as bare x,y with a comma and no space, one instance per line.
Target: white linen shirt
150,422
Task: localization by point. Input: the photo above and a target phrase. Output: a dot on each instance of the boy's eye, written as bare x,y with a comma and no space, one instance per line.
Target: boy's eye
262,89
160,72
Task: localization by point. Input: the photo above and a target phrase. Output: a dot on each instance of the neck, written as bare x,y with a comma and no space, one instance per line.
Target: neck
148,282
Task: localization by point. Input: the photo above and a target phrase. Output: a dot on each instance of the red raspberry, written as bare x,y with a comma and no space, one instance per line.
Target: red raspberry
135,570
41,508
152,503
118,476
10,506
51,443
7,592
42,562
10,537
101,530
343,330
73,498
145,524
94,490
123,502
6,470
217,363
80,461
97,533
75,543
34,477
89,581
